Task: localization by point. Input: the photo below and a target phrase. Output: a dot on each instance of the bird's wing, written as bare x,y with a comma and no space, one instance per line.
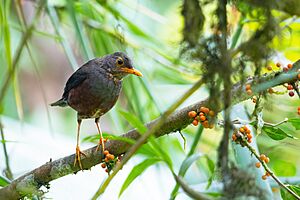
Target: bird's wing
75,80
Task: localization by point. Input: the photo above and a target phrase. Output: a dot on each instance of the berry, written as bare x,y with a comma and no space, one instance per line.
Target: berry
298,76
106,170
267,160
262,157
249,140
258,164
233,137
103,165
249,92
264,177
289,66
249,136
268,174
269,68
205,124
110,156
201,114
106,160
105,152
289,87
242,130
202,118
211,113
192,114
278,64
206,110
248,87
195,122
270,90
285,69
291,93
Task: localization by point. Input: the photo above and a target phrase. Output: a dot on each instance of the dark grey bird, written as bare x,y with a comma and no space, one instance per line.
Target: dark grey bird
93,90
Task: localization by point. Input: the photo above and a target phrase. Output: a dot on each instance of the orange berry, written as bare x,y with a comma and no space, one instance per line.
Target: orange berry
262,157
205,124
106,160
267,160
249,136
211,113
289,87
249,140
202,118
202,109
192,114
258,164
195,122
105,152
289,65
206,110
298,76
268,174
110,156
233,137
264,177
248,131
201,114
242,130
103,165
248,87
249,92
278,64
269,68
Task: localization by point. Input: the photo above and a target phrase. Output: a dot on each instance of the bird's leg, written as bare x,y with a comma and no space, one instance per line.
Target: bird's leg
101,141
78,152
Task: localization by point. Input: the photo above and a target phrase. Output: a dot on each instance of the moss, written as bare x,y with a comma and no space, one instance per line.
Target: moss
60,169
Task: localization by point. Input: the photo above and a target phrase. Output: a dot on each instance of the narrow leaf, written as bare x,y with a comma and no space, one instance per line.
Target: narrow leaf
187,163
4,181
295,122
136,171
134,121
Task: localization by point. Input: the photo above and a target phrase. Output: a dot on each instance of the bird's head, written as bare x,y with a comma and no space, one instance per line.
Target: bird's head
120,65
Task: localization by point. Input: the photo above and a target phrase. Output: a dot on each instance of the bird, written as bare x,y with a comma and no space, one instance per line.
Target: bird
93,89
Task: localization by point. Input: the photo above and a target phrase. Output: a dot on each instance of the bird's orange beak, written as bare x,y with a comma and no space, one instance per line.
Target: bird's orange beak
131,71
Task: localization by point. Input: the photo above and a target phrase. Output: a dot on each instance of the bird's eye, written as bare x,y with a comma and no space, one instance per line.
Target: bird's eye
119,62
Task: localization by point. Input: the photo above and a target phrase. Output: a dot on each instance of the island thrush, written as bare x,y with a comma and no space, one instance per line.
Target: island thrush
93,90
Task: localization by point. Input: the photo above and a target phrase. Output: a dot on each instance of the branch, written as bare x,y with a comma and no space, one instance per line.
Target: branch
32,181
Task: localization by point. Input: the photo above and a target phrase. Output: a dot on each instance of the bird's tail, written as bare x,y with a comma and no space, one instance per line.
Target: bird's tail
62,103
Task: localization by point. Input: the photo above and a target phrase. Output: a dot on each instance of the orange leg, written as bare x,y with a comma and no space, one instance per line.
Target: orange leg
101,141
78,152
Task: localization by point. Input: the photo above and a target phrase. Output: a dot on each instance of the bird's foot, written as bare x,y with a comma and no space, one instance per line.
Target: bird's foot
101,142
77,157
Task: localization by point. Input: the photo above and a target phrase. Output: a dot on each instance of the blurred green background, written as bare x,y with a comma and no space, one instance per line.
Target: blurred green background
68,33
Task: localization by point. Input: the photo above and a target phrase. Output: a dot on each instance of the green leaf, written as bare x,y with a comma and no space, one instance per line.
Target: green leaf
287,196
134,121
95,138
276,133
211,167
295,122
283,168
136,171
187,163
4,181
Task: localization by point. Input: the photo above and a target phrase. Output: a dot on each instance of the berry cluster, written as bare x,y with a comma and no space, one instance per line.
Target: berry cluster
109,161
265,159
243,132
204,116
248,89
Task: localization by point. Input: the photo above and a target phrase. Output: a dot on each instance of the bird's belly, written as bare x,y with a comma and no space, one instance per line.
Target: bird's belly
92,101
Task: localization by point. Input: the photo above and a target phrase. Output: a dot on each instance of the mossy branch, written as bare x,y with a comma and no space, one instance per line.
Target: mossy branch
30,183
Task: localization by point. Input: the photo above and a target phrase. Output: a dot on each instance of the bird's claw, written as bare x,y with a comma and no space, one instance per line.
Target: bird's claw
101,142
77,157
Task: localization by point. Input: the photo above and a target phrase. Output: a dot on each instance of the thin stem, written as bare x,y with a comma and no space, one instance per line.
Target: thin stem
145,136
8,172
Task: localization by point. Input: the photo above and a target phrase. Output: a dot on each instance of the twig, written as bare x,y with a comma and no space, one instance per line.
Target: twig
33,180
8,172
267,169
